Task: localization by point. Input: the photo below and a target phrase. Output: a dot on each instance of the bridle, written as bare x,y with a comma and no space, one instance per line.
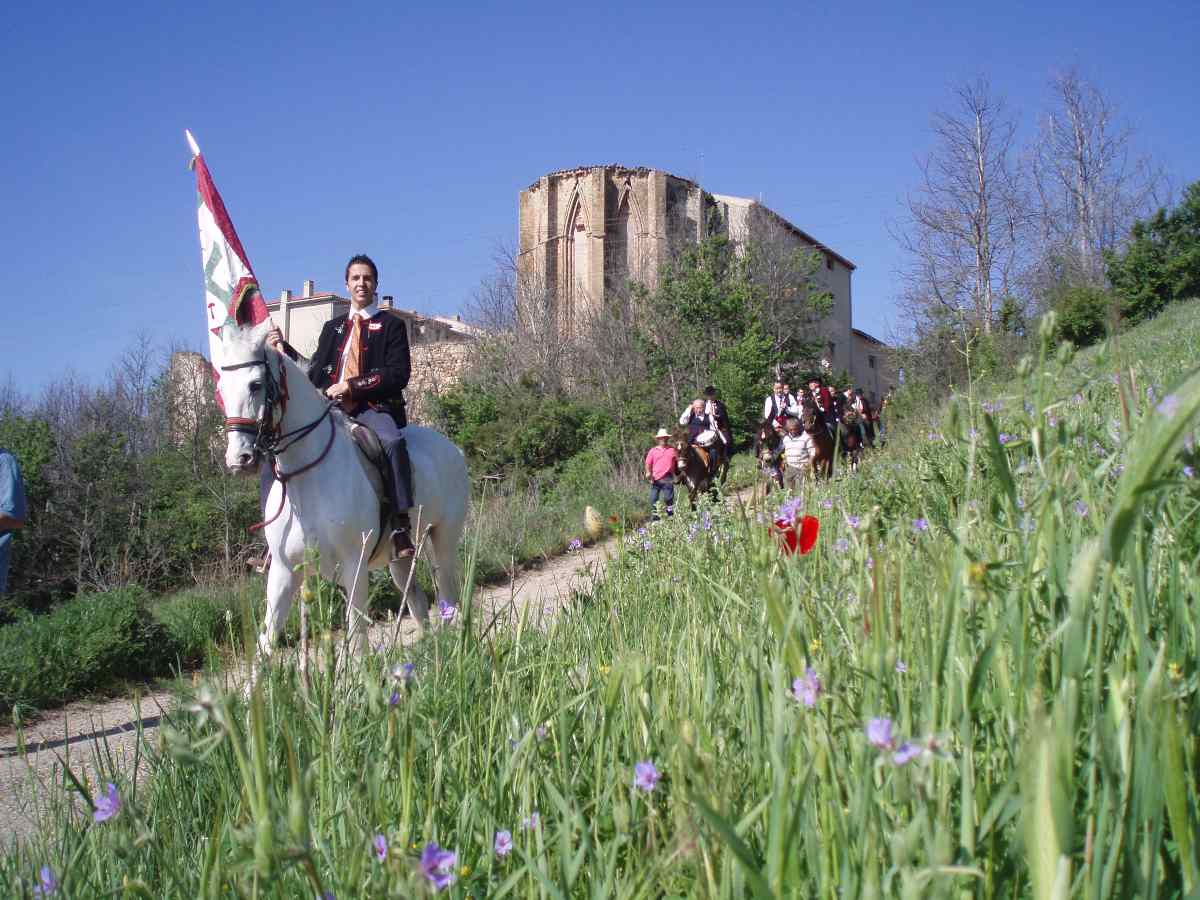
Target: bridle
268,440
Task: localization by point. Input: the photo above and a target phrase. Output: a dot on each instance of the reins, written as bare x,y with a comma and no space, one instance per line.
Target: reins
267,437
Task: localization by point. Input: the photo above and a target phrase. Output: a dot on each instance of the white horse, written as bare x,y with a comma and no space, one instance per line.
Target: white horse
324,498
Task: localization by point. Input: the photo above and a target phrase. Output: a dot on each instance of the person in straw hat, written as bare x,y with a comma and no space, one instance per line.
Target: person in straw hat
660,472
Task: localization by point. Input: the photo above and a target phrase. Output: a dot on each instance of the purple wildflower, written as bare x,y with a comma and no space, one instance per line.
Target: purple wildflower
47,883
906,753
1189,472
920,525
807,688
901,667
531,821
1028,408
540,732
879,734
853,521
841,545
1081,508
789,510
989,407
1077,399
438,865
870,562
1004,437
706,520
827,503
973,433
107,805
576,544
645,776
641,532
1052,421
447,611
647,546
1150,392
503,844
1027,525
394,699
404,672
381,847
1169,405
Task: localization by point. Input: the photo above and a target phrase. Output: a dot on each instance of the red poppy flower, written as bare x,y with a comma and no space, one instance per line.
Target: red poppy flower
792,538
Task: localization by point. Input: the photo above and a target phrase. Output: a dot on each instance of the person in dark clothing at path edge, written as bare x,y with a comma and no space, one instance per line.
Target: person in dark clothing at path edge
362,360
12,509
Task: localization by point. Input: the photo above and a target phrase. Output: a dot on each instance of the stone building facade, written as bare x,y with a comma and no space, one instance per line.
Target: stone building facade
585,233
441,348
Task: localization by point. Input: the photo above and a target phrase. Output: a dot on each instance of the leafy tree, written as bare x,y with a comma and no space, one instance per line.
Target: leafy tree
1161,263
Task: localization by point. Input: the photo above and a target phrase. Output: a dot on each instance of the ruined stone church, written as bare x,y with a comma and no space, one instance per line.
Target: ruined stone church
587,232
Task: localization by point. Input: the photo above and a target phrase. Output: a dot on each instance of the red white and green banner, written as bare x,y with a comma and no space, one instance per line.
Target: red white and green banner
231,295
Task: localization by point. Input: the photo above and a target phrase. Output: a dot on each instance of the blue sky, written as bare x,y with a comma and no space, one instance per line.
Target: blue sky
408,132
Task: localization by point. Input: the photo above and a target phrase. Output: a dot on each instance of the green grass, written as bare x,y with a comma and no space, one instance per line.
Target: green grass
1034,646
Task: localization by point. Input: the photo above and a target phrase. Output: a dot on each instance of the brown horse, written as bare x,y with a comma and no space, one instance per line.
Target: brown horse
851,439
767,450
814,425
691,468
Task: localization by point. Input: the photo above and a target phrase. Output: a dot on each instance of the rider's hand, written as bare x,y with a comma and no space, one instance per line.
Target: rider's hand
338,391
275,339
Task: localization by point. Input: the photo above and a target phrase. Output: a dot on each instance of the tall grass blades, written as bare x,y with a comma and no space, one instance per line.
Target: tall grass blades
981,682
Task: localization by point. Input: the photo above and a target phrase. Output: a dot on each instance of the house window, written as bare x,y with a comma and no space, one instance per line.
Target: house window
871,361
828,261
832,349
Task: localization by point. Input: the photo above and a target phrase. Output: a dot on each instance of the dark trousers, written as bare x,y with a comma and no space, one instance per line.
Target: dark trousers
395,448
663,489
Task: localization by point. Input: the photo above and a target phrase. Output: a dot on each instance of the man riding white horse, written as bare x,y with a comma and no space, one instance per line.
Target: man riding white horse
362,360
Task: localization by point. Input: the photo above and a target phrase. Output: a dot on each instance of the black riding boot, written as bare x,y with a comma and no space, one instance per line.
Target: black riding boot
402,498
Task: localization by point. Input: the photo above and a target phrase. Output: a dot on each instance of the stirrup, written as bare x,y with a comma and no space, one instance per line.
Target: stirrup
402,545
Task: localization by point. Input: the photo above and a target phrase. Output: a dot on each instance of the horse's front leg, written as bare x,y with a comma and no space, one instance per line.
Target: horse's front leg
281,590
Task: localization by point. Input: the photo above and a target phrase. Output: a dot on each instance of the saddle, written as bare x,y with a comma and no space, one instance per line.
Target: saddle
374,462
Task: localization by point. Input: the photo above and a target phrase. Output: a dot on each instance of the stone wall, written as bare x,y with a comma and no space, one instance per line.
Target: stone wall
435,366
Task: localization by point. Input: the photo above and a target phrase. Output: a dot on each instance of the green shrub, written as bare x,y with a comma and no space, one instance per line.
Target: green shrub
198,618
1083,314
87,644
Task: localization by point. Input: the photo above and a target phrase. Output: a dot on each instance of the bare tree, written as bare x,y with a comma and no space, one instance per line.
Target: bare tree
967,217
794,302
1090,188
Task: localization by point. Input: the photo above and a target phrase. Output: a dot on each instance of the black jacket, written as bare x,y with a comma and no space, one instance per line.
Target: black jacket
386,364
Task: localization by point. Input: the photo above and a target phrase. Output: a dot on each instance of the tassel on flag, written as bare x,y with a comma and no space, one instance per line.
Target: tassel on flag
231,295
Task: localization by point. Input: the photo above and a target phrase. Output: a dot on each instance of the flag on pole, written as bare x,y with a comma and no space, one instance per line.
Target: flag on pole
231,295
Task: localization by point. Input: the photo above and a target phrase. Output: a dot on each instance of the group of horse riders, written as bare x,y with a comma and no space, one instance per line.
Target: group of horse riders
800,432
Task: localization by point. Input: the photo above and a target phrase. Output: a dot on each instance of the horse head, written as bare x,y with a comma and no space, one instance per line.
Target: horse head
683,447
249,385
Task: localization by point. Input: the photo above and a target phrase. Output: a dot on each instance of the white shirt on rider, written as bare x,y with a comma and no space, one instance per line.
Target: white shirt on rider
367,312
785,404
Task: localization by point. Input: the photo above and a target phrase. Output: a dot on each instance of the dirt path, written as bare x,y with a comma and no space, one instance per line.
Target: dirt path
95,736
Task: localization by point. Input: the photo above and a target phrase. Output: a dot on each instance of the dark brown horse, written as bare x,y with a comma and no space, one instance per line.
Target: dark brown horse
691,468
814,425
851,439
767,450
